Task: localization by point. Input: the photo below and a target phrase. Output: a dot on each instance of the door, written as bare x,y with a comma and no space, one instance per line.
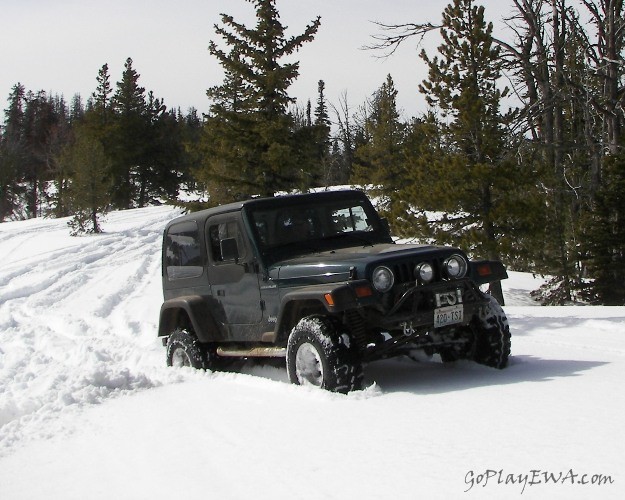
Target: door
234,280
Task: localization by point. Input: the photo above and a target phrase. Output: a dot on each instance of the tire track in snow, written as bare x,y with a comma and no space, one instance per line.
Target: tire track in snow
73,329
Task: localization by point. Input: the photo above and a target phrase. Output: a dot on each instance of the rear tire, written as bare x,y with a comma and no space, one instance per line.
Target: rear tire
184,349
318,355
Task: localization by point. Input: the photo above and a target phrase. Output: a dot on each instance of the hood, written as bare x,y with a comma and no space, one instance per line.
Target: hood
349,263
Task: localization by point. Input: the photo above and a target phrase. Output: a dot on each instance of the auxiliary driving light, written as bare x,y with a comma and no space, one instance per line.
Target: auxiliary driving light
424,272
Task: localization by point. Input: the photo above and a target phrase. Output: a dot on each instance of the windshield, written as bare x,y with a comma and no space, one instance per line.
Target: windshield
289,227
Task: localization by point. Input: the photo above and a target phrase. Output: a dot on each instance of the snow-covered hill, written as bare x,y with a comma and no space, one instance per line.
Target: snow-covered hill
88,410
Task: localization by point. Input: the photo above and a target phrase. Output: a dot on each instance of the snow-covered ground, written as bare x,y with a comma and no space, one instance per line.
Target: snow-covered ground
89,411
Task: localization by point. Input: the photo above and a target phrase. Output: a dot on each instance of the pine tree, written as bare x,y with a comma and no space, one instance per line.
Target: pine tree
325,167
12,153
129,135
604,236
88,193
471,182
59,134
101,97
248,144
39,119
76,109
378,162
161,168
306,152
227,144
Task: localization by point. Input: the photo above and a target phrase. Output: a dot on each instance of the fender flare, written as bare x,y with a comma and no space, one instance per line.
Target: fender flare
196,311
313,299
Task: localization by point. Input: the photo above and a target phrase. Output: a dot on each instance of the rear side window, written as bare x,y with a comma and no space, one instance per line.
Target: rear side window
183,258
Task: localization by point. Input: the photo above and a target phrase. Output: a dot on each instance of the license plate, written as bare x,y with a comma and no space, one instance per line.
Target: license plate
444,316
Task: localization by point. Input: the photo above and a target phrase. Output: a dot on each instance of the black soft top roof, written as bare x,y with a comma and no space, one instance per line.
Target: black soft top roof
290,199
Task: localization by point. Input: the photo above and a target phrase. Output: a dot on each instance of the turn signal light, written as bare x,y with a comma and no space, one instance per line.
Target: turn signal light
483,270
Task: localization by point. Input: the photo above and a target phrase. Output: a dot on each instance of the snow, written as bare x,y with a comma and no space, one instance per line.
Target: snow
89,410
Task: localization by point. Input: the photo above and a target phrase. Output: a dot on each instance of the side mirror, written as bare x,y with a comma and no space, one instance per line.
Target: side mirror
229,249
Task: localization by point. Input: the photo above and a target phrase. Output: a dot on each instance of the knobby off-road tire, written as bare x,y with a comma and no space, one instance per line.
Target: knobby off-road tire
184,349
319,355
492,343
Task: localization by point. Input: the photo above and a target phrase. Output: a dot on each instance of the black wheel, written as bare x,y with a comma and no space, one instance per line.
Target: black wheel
492,343
317,354
184,349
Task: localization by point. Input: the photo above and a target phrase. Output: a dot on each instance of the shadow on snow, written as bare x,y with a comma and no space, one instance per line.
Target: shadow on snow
435,377
432,377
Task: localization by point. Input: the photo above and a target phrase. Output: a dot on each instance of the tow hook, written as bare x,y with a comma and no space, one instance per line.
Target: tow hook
409,331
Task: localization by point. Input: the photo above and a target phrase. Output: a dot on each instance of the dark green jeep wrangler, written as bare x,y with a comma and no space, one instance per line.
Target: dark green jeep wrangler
316,278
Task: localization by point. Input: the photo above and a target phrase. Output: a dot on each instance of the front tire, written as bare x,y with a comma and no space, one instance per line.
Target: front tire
318,355
493,342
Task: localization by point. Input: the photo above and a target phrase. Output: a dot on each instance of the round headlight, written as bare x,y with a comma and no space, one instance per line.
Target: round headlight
383,279
455,266
424,272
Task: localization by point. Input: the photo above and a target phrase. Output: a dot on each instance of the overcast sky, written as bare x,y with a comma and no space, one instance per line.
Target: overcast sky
59,46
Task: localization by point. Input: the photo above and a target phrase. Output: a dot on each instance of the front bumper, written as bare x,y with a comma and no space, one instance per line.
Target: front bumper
410,322
415,307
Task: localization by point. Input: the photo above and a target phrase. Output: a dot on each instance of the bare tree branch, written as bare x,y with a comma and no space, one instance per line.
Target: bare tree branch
393,35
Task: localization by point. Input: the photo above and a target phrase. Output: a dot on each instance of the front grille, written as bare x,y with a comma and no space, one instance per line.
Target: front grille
404,272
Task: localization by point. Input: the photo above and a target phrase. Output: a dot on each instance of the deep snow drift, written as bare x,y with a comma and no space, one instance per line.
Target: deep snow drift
88,409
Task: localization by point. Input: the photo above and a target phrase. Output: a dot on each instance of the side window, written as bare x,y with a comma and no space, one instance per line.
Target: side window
183,258
350,219
222,231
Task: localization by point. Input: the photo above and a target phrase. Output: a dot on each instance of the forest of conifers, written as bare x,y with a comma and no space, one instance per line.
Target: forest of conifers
519,156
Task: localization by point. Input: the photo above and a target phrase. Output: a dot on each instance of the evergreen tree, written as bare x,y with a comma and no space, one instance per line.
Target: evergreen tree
604,236
88,193
472,179
12,153
227,146
249,145
101,97
76,109
39,119
325,167
161,169
59,134
378,162
128,135
190,126
306,151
